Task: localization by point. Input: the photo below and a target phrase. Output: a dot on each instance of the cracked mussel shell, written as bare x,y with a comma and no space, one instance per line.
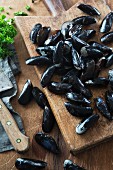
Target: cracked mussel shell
29,164
26,93
47,142
69,165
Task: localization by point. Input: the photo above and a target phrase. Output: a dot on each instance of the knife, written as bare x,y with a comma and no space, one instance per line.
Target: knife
19,141
5,83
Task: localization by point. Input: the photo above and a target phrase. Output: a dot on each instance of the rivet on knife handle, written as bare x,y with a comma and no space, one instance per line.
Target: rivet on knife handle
55,6
19,141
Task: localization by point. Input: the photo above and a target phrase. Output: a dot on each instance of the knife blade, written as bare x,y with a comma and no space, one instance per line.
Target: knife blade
5,83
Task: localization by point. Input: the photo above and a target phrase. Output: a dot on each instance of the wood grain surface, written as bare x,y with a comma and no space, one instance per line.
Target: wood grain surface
98,158
66,122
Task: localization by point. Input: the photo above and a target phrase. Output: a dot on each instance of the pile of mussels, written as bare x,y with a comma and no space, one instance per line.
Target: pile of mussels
77,60
72,55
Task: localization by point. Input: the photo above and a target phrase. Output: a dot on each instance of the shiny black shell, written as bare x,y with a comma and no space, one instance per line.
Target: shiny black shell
88,9
48,120
39,97
47,142
29,164
26,93
69,165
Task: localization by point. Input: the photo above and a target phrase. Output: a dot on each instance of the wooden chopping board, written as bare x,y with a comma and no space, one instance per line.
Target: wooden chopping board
103,129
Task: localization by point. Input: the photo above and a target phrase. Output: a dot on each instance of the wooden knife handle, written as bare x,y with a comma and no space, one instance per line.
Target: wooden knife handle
55,6
19,141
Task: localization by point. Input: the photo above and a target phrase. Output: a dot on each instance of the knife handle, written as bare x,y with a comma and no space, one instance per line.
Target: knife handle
19,141
55,6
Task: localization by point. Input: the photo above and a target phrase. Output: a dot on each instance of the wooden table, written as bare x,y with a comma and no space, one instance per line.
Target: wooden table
98,158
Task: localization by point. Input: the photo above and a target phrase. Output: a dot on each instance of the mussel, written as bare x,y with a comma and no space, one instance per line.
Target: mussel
48,120
29,164
107,38
84,20
88,9
78,111
47,142
26,93
109,100
69,165
86,123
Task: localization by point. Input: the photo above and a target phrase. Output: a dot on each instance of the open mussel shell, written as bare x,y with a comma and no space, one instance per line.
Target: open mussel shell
47,142
48,120
29,164
84,20
106,23
26,93
107,38
88,9
86,123
78,111
39,61
102,107
34,32
69,165
39,97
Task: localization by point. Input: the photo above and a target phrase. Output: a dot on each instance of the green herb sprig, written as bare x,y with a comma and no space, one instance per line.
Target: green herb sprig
7,34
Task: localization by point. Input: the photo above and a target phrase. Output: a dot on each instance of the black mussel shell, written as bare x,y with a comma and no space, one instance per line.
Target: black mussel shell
75,30
88,9
91,51
85,124
77,98
58,53
85,35
43,35
47,75
69,76
76,58
102,107
59,87
47,50
62,70
88,73
109,60
78,111
39,61
48,120
109,100
110,76
29,164
69,165
101,47
84,20
78,43
106,23
98,82
47,142
80,88
68,42
26,93
66,26
34,32
39,97
107,38
53,39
